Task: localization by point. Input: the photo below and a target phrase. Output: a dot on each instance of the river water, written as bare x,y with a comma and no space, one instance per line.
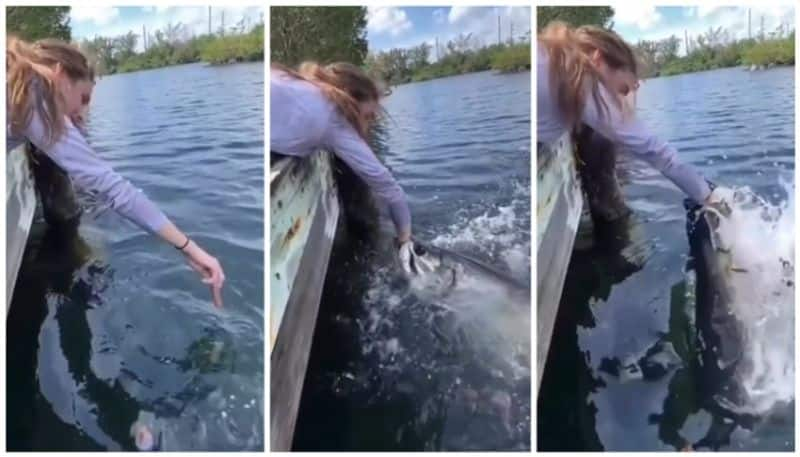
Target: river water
737,127
389,370
112,324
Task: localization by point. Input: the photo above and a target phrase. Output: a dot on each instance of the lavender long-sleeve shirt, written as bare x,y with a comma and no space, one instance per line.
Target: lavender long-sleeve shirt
303,120
88,172
631,134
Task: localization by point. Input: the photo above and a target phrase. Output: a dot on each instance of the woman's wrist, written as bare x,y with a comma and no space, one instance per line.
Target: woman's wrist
404,236
182,247
176,238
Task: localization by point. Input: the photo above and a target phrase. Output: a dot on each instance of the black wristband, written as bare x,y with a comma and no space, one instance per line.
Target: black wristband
184,245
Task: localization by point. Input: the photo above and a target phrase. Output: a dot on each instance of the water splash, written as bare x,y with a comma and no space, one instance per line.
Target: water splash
760,238
499,232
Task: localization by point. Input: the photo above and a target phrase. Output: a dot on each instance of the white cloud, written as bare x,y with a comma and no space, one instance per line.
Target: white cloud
99,15
439,16
387,19
480,22
640,15
708,10
458,13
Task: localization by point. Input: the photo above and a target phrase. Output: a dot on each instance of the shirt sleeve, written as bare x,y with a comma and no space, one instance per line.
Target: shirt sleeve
348,145
90,173
634,137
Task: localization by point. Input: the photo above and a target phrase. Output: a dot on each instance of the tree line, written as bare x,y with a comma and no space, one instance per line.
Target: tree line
173,44
716,48
462,54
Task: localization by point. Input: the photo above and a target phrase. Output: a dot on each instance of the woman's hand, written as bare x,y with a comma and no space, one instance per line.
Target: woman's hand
203,263
208,267
717,201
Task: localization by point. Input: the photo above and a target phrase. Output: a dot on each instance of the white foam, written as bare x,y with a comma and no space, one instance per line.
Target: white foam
501,232
760,237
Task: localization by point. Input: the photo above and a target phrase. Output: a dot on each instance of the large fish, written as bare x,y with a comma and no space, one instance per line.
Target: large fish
721,336
437,272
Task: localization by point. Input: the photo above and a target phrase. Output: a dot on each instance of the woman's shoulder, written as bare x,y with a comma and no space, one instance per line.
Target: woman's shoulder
542,54
286,92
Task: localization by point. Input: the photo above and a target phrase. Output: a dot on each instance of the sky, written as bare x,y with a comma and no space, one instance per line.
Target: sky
402,27
636,21
87,21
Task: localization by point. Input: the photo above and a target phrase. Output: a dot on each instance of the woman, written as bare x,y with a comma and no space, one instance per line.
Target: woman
584,76
332,107
49,83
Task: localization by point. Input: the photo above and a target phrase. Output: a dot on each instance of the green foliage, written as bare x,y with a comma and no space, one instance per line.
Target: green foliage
36,22
248,47
780,52
321,33
513,58
575,16
706,56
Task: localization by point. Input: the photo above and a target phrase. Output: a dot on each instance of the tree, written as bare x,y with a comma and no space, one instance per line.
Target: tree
418,56
36,22
125,46
647,51
100,53
713,38
175,33
575,16
325,34
667,49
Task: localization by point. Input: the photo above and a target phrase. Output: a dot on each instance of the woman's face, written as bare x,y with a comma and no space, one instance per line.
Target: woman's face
77,95
369,110
619,80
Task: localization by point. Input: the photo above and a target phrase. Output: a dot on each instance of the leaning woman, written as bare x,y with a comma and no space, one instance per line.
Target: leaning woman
586,75
49,83
332,107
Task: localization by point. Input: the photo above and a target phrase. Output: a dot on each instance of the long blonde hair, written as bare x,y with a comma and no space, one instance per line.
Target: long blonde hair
344,84
571,68
23,67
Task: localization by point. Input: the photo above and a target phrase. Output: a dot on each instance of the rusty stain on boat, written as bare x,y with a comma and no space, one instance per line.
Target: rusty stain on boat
290,234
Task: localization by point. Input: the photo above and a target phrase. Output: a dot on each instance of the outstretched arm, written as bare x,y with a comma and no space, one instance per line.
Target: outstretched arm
635,137
348,145
87,171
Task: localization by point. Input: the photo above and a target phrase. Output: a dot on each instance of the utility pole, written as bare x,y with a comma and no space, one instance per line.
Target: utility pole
499,39
223,22
749,27
209,20
762,27
686,39
511,31
437,48
144,37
